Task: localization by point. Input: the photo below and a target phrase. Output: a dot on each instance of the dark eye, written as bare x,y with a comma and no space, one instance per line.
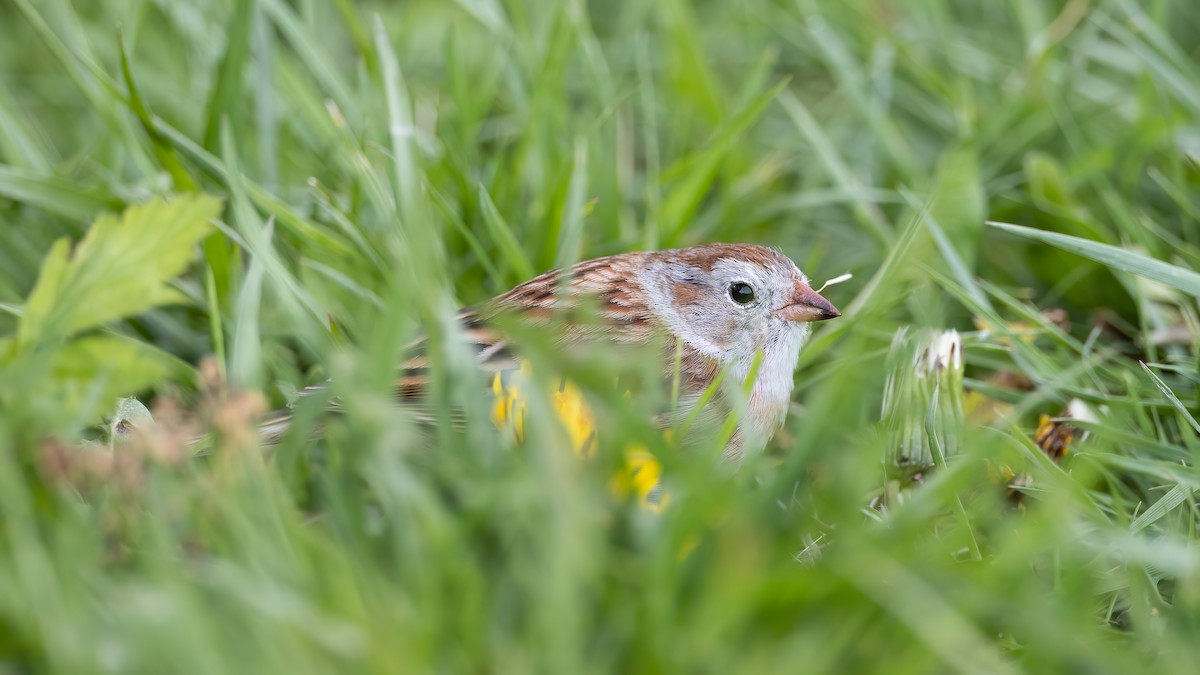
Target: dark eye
741,293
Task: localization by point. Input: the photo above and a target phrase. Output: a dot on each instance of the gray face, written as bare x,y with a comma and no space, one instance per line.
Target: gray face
723,302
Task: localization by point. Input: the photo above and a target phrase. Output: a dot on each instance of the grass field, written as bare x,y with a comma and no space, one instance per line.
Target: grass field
298,189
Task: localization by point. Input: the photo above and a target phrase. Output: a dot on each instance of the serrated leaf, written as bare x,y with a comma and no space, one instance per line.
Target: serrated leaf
92,371
119,269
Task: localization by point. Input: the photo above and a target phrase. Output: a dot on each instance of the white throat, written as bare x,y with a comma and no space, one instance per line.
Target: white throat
772,391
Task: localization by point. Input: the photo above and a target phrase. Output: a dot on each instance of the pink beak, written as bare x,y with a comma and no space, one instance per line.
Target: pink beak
807,305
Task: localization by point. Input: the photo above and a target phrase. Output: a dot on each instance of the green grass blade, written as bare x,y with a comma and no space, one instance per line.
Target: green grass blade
1135,263
53,194
163,151
226,92
502,236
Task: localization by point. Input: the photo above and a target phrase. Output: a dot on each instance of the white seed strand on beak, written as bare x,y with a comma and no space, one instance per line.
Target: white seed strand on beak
836,280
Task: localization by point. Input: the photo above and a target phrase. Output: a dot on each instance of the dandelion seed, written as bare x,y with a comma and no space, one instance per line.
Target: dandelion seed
836,280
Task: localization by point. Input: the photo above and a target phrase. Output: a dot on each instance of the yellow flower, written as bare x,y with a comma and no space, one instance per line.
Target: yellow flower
573,411
641,476
509,408
568,403
642,473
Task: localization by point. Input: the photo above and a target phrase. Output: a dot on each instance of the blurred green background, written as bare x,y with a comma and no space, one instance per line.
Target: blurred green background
381,164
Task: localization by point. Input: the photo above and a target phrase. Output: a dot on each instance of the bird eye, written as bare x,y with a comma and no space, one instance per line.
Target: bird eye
741,293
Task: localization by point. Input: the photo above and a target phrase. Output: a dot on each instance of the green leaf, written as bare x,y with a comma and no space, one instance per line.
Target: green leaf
1166,391
359,34
1162,507
91,372
958,204
20,143
164,151
690,72
570,234
1172,275
401,129
119,269
503,238
263,199
246,352
826,152
312,50
1049,184
697,172
130,415
224,99
53,194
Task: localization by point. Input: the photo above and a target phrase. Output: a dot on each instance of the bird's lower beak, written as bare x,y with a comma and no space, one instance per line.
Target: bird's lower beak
807,305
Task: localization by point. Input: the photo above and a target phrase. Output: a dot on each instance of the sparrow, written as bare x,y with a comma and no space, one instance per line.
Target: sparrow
721,307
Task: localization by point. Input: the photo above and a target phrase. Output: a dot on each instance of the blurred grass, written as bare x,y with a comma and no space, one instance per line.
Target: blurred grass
384,163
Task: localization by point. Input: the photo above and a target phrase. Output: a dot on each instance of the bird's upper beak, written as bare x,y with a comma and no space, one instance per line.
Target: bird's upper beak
805,304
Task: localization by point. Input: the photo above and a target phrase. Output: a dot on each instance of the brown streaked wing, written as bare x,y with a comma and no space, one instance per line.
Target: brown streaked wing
611,280
412,378
491,353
